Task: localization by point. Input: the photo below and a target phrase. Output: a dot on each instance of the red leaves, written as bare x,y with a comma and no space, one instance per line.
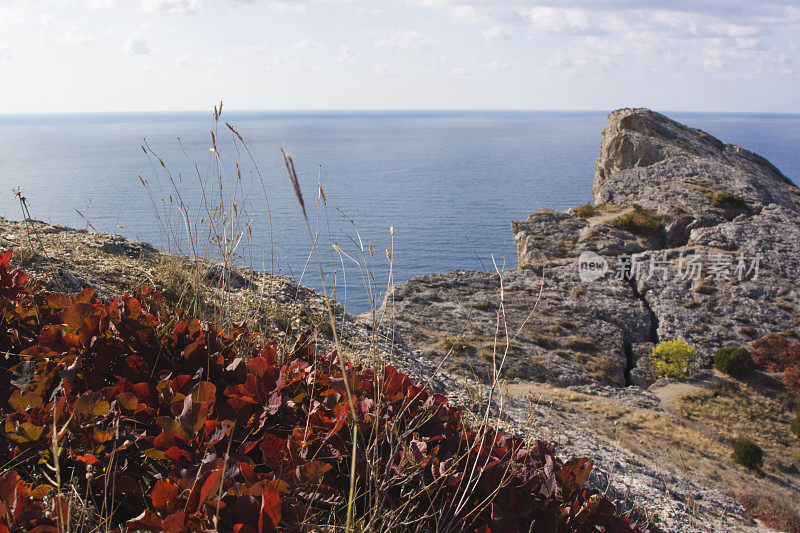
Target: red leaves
776,353
575,473
212,432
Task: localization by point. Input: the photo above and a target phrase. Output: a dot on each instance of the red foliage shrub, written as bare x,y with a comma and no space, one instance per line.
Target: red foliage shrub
775,352
180,426
791,378
774,512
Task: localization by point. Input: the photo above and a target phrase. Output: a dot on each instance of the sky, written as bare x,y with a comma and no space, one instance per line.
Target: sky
156,55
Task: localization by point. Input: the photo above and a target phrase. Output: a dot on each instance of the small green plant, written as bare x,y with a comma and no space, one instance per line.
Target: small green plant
586,211
639,221
795,427
791,332
734,361
747,453
671,358
724,200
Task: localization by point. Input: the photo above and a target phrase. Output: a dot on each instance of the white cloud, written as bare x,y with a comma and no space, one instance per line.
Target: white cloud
386,70
345,55
287,63
150,6
136,46
404,40
496,32
497,66
183,60
553,19
458,72
306,44
247,47
5,53
74,36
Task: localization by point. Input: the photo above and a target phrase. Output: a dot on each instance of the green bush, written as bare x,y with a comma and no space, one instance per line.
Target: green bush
586,211
671,358
795,427
725,199
747,453
734,361
639,221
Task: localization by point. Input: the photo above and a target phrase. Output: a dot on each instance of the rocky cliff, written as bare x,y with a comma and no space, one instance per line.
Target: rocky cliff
695,239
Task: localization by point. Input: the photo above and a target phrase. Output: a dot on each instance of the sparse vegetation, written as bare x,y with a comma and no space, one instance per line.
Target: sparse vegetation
671,358
183,282
640,221
480,305
545,341
586,211
747,453
776,512
725,200
734,361
578,290
581,344
450,343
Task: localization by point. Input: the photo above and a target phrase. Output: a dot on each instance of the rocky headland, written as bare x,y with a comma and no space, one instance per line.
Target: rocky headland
697,239
702,243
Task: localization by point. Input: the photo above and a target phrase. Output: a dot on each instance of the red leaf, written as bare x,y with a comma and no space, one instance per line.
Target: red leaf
175,523
88,458
84,297
211,486
270,509
311,471
274,450
147,521
163,494
74,315
194,414
204,391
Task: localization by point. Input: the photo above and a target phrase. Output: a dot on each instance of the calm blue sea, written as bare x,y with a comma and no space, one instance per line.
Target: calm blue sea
448,182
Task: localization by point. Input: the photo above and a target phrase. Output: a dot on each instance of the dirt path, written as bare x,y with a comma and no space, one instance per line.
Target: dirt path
669,394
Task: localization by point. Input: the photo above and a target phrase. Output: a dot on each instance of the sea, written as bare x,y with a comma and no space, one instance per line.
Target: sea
387,195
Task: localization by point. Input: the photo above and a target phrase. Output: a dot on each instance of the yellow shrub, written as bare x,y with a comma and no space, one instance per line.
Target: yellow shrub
671,358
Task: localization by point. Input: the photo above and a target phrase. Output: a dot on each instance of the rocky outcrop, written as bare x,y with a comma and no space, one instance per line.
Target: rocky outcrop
701,242
647,158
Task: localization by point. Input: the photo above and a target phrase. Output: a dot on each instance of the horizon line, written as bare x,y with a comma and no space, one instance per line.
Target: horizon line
383,110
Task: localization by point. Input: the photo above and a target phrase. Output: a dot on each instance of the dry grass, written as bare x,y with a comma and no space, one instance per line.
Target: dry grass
731,409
